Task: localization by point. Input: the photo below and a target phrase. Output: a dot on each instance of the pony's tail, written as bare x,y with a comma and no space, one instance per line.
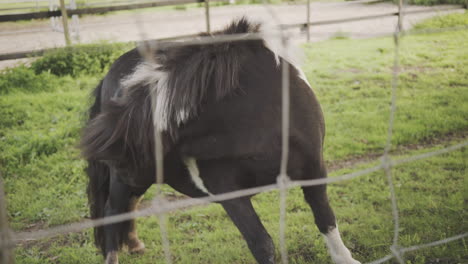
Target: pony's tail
99,179
98,191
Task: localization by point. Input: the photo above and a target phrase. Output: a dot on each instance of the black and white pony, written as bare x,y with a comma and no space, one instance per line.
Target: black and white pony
218,108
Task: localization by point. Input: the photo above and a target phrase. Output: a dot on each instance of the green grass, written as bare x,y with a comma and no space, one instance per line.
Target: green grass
436,2
83,59
353,81
447,21
430,197
429,2
45,183
39,159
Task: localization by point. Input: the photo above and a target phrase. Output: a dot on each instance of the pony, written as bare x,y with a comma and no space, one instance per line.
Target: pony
217,108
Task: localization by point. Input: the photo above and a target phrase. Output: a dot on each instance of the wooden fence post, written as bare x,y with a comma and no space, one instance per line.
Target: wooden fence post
308,21
207,16
6,252
66,32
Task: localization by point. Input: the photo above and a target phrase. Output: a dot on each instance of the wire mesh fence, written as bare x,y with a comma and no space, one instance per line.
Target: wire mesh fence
161,207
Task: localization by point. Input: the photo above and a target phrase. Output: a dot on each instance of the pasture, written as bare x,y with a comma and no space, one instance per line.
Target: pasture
42,113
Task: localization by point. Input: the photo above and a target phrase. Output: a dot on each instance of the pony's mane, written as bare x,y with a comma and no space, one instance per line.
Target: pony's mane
169,90
184,77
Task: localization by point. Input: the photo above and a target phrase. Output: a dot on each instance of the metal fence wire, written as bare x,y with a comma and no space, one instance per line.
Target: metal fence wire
161,207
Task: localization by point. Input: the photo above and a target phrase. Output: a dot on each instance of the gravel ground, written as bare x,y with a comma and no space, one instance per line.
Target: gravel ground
134,26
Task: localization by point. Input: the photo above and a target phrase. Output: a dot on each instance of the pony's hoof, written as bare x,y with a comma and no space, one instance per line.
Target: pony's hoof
112,258
136,247
349,260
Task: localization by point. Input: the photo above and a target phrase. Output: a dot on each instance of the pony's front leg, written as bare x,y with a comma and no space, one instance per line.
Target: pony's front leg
317,198
243,215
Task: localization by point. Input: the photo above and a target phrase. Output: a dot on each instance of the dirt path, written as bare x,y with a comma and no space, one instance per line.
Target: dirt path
16,37
442,142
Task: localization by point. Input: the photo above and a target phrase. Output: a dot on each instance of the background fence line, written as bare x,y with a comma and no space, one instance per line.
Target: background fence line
368,17
95,10
388,144
207,16
161,206
283,177
306,25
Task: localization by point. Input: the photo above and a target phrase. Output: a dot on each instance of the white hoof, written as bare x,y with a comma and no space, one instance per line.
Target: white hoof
112,258
339,252
345,260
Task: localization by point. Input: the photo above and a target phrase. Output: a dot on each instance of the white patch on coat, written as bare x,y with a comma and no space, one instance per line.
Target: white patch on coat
338,251
272,41
272,38
192,167
302,75
149,74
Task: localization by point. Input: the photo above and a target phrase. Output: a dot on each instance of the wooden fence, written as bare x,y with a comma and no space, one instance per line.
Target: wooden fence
305,25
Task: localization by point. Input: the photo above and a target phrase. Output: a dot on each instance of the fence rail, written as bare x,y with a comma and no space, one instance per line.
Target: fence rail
306,25
370,17
160,206
96,10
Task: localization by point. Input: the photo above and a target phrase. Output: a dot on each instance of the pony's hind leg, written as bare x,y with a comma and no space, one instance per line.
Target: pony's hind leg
222,176
316,197
115,234
121,199
243,215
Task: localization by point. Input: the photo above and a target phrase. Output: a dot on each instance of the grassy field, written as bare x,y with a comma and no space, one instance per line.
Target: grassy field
41,119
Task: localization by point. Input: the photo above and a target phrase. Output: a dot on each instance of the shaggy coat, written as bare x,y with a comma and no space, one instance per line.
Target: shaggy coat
218,108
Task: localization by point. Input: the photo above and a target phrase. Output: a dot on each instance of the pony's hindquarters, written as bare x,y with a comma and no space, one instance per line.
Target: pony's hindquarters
107,193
